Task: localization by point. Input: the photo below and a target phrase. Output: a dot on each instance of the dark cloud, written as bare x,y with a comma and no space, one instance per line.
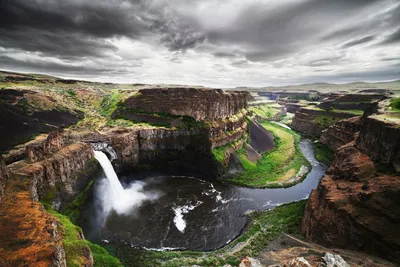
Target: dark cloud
224,54
393,38
55,44
50,67
65,35
100,18
364,40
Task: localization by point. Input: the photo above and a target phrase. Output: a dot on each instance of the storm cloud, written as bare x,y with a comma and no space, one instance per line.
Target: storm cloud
213,43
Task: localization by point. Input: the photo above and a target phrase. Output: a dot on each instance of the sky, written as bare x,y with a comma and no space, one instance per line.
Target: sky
217,43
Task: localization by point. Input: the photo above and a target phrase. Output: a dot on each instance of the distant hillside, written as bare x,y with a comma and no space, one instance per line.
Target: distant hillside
329,87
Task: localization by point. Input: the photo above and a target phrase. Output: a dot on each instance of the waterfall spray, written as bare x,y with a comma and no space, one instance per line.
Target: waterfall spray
111,193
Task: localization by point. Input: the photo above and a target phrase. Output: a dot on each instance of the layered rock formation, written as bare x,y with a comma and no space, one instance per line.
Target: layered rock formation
380,140
355,206
56,169
341,133
201,104
312,122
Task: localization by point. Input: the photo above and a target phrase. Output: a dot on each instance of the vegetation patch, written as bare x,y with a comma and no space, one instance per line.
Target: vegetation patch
395,104
219,152
323,153
76,248
286,158
110,103
325,120
264,111
355,112
73,209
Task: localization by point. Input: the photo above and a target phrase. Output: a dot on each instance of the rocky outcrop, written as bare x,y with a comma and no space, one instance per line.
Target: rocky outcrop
201,104
341,133
381,141
313,121
57,179
353,205
292,107
4,176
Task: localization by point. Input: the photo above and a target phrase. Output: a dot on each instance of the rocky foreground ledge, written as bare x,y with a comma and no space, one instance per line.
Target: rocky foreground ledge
357,203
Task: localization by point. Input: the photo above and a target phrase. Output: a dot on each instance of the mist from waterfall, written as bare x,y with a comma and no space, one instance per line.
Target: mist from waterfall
111,195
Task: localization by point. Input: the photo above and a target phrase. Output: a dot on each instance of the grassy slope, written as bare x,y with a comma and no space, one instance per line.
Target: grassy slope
264,226
279,164
74,246
395,104
323,153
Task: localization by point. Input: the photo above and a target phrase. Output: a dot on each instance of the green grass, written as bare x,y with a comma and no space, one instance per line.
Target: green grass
110,103
71,93
263,227
355,112
264,111
284,160
395,103
75,247
73,209
323,153
219,152
325,120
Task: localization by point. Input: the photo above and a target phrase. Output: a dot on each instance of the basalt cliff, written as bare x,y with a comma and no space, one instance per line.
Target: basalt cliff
356,204
56,168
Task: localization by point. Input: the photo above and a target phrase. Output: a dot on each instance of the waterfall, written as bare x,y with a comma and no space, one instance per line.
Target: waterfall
112,177
112,195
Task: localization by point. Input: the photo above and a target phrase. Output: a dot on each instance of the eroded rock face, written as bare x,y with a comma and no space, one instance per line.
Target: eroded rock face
201,104
311,121
59,178
355,208
4,176
341,133
381,141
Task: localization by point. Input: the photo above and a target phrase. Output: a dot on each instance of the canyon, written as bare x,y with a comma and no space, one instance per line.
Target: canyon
208,134
357,200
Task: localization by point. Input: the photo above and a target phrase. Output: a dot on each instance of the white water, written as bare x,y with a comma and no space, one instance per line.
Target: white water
112,195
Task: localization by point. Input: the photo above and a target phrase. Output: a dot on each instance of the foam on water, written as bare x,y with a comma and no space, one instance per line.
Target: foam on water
111,193
179,211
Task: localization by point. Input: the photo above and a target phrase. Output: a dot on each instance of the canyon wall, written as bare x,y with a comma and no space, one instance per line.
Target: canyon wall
312,122
341,133
201,104
57,179
356,206
381,141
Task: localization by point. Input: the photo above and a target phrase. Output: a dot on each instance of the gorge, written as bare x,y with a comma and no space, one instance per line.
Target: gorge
181,176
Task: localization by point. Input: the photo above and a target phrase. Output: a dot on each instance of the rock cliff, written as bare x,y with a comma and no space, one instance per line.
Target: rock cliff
341,133
381,141
201,104
313,121
57,179
355,206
